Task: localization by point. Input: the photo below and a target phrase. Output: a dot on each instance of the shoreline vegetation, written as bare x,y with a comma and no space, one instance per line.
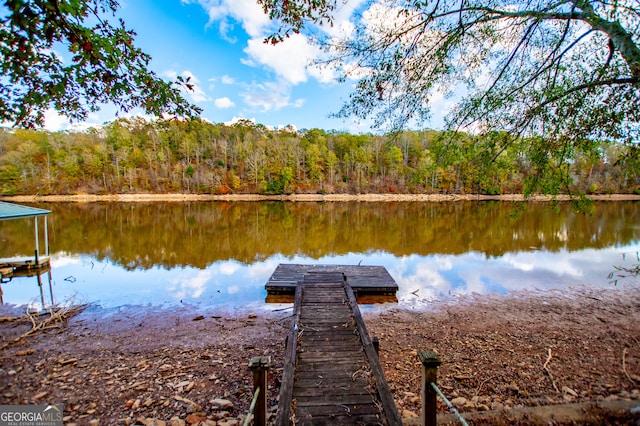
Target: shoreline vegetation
196,157
184,197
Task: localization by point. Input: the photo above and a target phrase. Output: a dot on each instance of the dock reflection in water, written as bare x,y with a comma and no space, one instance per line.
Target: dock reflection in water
42,278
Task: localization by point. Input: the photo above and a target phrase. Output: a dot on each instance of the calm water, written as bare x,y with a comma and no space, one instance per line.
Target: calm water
221,254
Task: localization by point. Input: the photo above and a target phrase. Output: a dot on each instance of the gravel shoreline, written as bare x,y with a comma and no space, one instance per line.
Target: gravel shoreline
501,354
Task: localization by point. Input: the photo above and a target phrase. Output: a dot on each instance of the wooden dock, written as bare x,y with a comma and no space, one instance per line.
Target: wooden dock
332,374
364,280
23,267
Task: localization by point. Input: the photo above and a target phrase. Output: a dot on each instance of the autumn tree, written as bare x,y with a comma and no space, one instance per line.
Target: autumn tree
71,56
565,71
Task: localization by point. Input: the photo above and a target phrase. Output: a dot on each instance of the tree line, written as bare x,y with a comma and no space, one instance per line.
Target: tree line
196,156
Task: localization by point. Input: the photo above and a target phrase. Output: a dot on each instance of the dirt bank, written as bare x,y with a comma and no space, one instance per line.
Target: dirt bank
85,198
500,354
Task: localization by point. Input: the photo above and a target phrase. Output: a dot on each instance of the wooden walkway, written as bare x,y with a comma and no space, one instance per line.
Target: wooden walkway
332,375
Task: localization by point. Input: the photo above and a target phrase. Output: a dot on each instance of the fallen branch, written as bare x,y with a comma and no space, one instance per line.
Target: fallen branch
477,392
31,318
546,369
56,319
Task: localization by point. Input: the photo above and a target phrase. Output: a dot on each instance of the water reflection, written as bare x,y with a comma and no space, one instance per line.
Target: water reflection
43,280
231,284
221,254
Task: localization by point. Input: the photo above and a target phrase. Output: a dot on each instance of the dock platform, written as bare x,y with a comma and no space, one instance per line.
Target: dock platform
363,280
332,374
23,267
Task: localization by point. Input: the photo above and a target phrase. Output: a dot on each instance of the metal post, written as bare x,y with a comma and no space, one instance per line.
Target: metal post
430,364
260,366
46,236
35,220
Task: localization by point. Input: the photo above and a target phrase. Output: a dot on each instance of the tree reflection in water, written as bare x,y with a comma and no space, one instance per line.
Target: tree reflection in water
222,253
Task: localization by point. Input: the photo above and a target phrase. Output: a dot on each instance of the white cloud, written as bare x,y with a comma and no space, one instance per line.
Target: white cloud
227,79
247,12
288,59
381,18
54,121
197,94
268,96
322,73
223,103
225,28
235,120
342,19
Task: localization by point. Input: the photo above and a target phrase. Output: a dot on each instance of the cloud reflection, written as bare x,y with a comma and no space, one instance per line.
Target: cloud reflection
229,268
192,285
232,284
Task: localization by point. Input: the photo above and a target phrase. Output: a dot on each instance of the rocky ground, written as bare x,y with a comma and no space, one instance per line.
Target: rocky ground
502,355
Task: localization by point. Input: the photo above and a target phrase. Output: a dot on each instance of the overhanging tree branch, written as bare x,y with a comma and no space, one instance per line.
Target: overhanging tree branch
103,65
566,69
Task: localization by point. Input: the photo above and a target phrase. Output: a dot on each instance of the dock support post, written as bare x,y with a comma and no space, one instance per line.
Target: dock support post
260,366
376,344
430,364
46,236
35,221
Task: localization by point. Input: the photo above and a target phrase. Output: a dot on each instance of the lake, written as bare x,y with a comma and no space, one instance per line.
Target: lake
220,254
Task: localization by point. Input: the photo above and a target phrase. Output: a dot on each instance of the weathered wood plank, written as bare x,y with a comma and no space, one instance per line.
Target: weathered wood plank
322,384
340,410
393,417
286,388
338,420
333,368
363,279
317,374
329,392
328,399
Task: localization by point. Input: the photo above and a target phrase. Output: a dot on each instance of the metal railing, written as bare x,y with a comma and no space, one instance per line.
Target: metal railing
449,404
249,417
430,391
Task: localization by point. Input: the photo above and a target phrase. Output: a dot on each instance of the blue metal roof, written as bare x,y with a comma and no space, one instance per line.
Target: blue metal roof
16,211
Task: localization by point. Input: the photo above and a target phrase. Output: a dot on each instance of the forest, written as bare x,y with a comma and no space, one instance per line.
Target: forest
197,156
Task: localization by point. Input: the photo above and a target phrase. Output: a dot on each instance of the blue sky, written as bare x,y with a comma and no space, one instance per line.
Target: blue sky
219,44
